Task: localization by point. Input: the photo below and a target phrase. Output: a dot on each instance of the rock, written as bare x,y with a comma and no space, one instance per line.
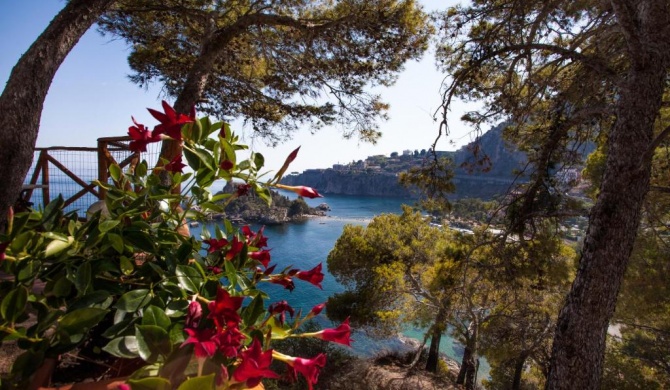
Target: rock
364,375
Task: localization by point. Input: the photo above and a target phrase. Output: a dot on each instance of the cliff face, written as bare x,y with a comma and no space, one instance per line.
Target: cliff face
329,181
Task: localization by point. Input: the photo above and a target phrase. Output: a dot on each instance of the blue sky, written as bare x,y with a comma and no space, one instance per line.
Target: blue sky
91,97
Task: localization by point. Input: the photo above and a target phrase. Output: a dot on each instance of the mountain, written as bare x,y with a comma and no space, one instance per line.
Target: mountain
483,169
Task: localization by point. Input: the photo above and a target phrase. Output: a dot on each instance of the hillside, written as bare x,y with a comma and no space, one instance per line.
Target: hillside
483,168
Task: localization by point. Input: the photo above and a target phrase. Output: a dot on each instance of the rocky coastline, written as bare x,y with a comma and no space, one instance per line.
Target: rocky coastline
252,209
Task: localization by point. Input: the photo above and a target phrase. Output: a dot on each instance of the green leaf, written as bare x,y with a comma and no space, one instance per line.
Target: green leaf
14,304
100,299
154,315
121,328
253,311
108,225
184,252
198,159
20,243
228,152
123,347
55,236
259,161
57,246
153,342
196,131
141,240
141,169
244,165
83,279
198,383
189,278
80,320
133,300
127,266
45,322
115,172
278,331
62,287
28,269
176,334
264,193
150,383
116,241
231,272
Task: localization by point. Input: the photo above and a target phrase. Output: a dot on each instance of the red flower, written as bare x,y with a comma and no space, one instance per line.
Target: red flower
215,270
214,244
262,256
314,276
292,156
281,308
243,189
223,311
307,192
270,270
230,341
176,165
310,368
283,280
254,365
341,334
257,240
226,165
316,310
141,137
203,341
171,121
193,315
236,247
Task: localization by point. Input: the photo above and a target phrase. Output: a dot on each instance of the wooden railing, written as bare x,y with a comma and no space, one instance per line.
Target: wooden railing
59,168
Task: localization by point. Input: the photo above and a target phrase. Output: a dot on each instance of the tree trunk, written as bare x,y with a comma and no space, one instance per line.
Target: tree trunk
460,379
22,100
467,375
518,371
579,342
196,80
434,350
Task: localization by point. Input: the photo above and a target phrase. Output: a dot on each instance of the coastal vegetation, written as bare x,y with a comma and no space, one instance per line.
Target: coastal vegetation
488,293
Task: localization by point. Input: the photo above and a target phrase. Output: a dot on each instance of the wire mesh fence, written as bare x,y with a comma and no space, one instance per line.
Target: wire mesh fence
70,171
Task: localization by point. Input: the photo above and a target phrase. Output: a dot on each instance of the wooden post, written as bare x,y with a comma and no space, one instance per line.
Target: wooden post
103,172
45,177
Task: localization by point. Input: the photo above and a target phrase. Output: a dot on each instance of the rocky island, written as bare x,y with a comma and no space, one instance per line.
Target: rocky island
252,209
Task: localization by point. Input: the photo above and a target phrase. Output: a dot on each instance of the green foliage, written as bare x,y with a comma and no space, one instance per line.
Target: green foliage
434,180
131,277
298,207
382,266
270,63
